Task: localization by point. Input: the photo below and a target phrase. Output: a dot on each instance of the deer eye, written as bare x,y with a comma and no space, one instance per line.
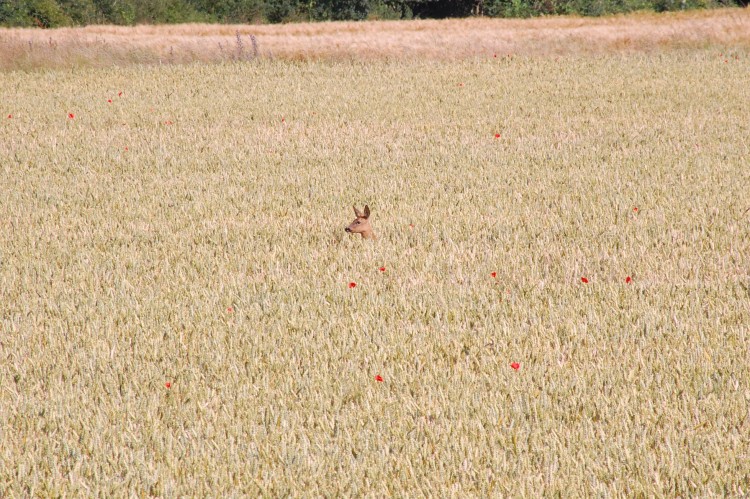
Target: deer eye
357,222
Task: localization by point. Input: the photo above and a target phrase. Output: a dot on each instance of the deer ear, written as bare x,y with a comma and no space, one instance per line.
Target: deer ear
357,212
367,211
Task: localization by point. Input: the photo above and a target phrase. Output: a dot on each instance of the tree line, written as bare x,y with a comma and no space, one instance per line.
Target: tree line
56,13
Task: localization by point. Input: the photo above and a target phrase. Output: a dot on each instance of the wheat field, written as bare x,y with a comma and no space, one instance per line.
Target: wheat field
557,302
426,39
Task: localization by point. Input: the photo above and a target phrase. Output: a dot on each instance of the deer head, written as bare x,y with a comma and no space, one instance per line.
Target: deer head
361,224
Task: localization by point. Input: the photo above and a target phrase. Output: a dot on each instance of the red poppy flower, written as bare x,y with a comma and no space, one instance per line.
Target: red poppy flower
382,269
378,378
119,94
168,122
495,56
460,84
497,135
10,116
168,384
352,285
635,209
411,226
628,280
584,280
109,100
515,365
230,309
71,115
493,274
126,148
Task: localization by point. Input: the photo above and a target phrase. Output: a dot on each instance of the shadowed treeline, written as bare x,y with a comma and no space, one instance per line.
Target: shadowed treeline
58,13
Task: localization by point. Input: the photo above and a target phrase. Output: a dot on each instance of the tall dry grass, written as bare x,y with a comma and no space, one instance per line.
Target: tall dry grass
175,309
434,40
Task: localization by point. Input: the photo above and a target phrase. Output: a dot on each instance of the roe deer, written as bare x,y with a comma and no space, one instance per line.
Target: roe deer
361,224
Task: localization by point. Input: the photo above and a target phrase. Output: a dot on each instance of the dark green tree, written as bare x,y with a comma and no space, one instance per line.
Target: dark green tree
166,12
82,12
230,11
121,12
53,13
14,13
41,13
440,9
339,10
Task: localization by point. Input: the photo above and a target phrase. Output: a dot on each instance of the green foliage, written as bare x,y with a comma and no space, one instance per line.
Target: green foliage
116,12
339,10
81,12
384,11
530,8
230,11
13,13
53,13
167,11
282,10
41,13
441,8
507,8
